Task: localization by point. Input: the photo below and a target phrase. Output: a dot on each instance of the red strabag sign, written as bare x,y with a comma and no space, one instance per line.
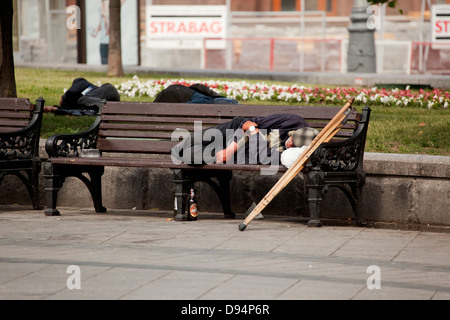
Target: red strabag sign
440,26
172,26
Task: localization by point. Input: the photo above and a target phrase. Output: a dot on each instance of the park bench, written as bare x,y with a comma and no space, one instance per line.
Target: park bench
20,129
133,134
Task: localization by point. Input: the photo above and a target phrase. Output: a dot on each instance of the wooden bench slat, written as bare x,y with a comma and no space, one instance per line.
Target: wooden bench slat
144,127
177,124
15,115
13,123
167,135
156,163
139,122
9,129
143,146
138,146
116,161
16,104
151,119
135,134
321,125
165,127
343,134
216,110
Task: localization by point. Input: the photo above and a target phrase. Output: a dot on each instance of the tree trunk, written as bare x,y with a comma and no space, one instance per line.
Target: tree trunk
115,68
7,76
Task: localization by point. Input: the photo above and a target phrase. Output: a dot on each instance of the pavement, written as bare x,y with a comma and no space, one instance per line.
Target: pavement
145,255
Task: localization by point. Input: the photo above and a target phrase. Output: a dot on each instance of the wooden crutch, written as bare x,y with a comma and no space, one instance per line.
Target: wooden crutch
324,136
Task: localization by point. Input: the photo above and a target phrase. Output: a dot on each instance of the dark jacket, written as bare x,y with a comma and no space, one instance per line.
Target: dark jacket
177,93
85,95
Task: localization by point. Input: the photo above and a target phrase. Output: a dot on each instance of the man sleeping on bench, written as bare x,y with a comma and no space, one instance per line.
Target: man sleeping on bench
257,140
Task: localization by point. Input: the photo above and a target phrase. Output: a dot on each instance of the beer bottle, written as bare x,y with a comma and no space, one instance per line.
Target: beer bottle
193,210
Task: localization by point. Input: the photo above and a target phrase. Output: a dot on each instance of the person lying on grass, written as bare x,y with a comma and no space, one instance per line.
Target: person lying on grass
84,98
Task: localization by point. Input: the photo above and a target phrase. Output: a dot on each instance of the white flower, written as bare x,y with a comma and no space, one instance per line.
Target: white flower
243,90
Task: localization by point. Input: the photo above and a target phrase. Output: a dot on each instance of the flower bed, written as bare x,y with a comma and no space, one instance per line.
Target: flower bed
244,91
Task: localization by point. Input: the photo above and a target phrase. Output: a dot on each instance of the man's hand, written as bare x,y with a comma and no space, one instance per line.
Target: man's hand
223,155
248,124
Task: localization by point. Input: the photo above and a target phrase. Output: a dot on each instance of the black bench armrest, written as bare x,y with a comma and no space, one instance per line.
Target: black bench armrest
23,143
344,155
70,145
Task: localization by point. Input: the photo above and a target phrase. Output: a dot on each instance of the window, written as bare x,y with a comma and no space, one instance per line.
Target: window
328,6
57,4
288,5
311,5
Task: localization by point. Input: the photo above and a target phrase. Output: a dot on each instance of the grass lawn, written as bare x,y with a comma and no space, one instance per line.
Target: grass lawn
408,130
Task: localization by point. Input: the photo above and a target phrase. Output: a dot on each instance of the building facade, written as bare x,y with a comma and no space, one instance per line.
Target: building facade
270,35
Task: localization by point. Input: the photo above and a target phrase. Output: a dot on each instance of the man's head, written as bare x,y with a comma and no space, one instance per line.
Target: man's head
301,137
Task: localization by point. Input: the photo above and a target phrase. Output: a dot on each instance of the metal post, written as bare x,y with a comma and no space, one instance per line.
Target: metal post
302,31
229,44
380,60
272,54
422,19
361,47
323,52
48,16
